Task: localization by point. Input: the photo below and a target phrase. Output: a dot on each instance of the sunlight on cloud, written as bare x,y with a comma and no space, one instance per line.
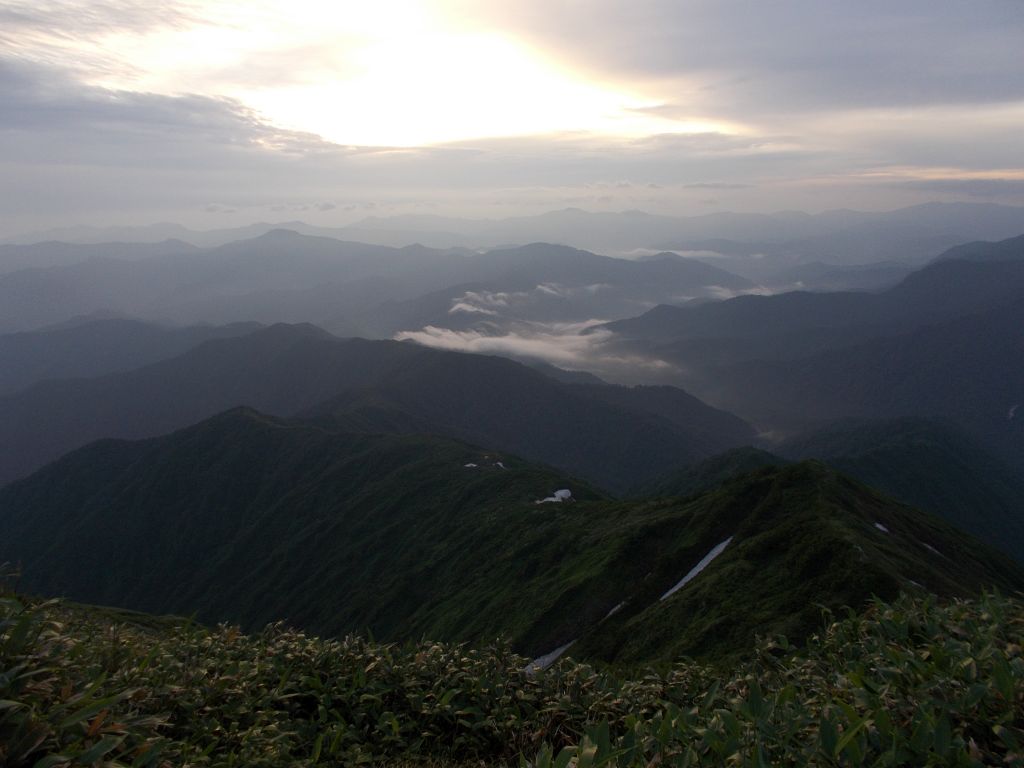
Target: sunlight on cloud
389,73
561,344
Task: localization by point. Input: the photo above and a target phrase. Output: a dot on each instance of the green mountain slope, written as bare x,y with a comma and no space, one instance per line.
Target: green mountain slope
287,370
710,473
249,518
613,436
795,538
931,466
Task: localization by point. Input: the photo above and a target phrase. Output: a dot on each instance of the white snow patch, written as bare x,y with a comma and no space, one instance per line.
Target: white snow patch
704,563
917,584
499,464
932,549
469,466
543,662
613,611
881,527
563,495
1013,411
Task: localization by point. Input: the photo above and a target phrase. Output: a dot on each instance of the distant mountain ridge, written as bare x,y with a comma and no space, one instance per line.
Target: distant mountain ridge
945,344
94,347
47,254
1003,250
966,370
359,289
288,370
861,236
940,291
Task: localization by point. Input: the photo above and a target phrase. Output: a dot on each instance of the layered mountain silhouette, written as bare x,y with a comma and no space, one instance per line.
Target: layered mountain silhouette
942,291
616,438
89,347
966,371
44,255
1011,249
846,236
943,344
279,276
359,289
250,518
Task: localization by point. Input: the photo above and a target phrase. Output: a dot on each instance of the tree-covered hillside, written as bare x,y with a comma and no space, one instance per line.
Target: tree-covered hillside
251,519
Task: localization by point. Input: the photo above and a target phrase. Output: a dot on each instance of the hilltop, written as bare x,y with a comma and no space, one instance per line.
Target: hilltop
250,518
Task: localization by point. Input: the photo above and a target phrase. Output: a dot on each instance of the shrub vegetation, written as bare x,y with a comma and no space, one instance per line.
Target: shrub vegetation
912,682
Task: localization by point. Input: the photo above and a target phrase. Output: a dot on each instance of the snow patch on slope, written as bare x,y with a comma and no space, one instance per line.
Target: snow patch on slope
704,563
563,495
543,662
931,549
613,611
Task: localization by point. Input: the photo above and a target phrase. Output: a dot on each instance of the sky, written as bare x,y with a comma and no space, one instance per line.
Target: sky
218,114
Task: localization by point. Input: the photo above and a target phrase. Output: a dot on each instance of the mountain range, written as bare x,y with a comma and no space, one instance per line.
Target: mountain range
170,445
90,346
614,437
942,344
249,518
844,236
930,465
358,289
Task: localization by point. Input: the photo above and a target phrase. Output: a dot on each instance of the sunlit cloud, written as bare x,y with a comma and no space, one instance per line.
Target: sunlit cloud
560,344
388,73
126,109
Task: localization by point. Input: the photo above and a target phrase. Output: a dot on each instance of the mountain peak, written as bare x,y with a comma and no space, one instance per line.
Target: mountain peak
279,233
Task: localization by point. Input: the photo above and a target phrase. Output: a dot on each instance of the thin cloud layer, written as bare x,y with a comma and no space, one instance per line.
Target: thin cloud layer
560,344
671,107
746,59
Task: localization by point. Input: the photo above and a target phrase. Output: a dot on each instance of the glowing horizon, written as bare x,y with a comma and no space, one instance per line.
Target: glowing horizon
202,110
396,73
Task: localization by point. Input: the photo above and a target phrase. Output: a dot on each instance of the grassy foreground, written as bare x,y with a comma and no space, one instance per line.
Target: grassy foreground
908,683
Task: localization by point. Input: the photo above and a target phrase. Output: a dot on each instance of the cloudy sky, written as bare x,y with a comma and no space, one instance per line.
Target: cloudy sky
223,113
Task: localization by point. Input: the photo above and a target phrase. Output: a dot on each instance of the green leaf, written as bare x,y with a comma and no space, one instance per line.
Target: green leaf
51,760
318,745
828,735
849,735
543,759
88,711
564,757
150,755
586,753
943,735
99,749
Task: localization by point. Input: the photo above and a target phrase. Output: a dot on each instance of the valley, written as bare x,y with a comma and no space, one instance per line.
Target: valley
542,471
517,384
